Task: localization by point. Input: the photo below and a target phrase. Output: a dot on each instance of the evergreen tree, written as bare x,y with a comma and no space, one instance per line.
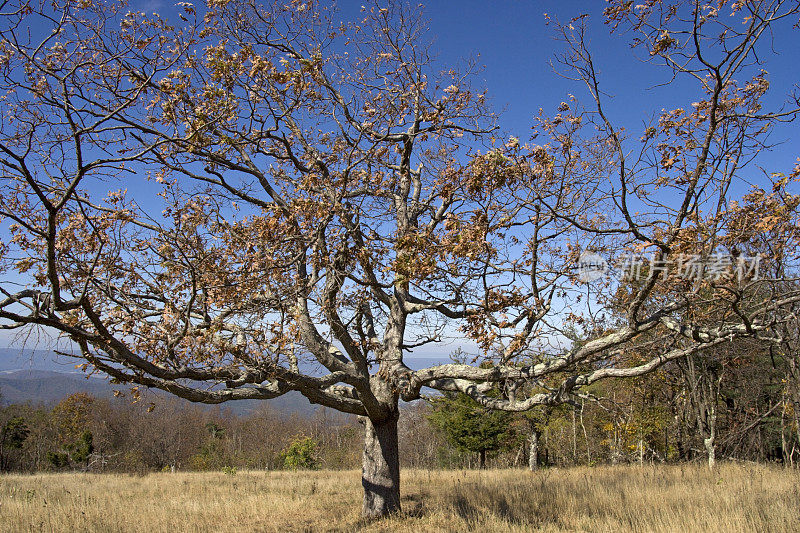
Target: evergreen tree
12,435
469,426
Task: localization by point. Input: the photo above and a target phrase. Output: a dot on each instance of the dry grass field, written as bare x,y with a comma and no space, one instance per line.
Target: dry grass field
649,498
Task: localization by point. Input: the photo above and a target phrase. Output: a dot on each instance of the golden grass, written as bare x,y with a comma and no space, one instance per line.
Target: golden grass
650,498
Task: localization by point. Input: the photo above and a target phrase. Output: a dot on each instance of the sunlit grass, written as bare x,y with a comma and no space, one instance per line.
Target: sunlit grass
650,498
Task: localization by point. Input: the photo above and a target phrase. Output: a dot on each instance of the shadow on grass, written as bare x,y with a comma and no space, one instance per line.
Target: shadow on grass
474,503
414,505
516,504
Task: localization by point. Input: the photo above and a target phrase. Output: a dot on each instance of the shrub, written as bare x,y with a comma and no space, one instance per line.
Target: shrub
301,454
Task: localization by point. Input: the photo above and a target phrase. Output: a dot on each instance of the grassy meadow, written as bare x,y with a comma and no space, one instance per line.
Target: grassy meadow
683,498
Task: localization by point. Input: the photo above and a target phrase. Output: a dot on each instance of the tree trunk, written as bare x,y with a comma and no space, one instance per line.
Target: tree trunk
586,439
574,440
711,442
641,451
795,406
483,459
533,456
520,453
712,452
380,474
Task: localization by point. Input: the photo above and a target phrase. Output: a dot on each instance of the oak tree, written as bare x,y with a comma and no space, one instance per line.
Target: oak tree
256,199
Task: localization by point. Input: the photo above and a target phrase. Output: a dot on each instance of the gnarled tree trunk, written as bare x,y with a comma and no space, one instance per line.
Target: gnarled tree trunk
380,474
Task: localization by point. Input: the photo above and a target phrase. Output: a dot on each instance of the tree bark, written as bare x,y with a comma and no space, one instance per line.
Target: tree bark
711,451
533,456
482,460
380,474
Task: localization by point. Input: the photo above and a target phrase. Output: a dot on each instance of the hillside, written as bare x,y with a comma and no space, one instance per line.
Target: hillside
44,377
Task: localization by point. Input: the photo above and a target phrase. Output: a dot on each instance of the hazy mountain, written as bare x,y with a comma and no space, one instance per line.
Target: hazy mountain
44,377
47,388
32,359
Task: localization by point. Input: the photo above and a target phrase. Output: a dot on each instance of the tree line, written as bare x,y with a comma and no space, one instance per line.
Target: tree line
83,432
737,404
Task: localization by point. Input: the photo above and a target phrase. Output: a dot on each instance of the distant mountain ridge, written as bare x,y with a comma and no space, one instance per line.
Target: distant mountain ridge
46,387
44,378
13,359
